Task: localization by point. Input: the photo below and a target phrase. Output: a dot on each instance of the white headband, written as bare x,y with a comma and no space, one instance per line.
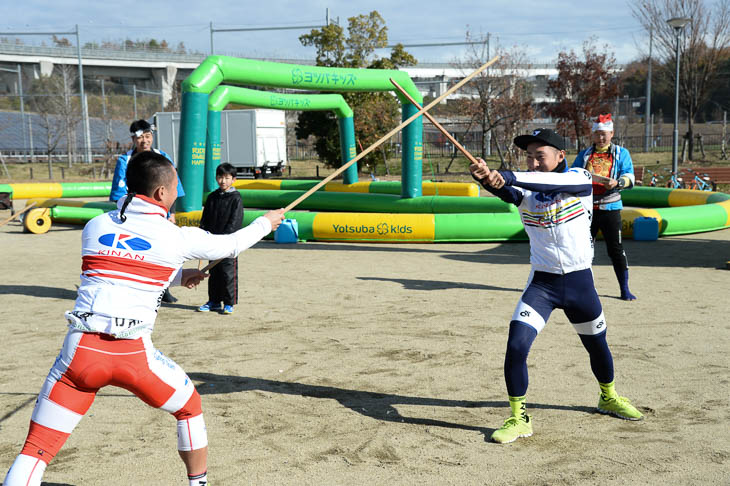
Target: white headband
608,127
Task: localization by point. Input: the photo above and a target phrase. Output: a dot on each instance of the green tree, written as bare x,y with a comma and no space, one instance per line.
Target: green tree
375,113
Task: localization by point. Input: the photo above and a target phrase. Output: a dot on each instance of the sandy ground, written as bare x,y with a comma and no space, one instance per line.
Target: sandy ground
382,364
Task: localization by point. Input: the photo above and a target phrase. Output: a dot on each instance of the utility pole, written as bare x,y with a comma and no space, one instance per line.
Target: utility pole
107,122
85,111
723,154
488,150
30,134
677,24
22,106
647,112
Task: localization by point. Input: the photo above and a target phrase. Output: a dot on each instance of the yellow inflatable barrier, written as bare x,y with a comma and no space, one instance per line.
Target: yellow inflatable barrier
37,221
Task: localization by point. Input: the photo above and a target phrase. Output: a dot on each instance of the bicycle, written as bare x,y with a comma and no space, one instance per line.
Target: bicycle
701,182
675,182
654,180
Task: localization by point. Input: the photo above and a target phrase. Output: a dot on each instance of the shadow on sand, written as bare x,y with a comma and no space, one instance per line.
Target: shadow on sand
379,406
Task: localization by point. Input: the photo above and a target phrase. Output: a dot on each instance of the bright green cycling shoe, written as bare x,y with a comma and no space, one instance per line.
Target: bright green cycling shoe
619,407
513,429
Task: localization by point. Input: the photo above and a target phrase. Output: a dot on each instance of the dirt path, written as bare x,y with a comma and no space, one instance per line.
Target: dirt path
382,364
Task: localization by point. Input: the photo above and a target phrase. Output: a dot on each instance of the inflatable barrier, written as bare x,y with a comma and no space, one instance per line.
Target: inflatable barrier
678,211
57,189
688,212
429,188
102,189
389,227
374,203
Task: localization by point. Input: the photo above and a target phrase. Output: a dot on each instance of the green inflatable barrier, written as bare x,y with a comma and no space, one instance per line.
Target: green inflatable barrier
687,212
418,220
263,99
217,70
29,190
375,203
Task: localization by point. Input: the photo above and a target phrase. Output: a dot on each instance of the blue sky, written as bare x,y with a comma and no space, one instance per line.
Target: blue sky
541,29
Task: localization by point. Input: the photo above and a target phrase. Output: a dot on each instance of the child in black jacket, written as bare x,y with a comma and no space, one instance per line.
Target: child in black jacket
222,215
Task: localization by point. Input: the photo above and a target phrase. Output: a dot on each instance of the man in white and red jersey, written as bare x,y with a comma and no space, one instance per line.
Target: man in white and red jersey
130,256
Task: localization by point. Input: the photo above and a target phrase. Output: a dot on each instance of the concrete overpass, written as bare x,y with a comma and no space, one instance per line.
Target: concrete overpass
158,71
151,71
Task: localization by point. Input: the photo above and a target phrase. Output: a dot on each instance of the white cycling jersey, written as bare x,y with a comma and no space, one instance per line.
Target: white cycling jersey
556,209
127,265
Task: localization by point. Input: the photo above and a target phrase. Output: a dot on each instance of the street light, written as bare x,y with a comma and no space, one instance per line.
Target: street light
677,23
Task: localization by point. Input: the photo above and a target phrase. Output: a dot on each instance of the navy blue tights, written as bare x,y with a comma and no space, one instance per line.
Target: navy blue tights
521,337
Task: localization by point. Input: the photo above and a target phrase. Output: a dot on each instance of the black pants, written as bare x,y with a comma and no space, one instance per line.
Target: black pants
609,222
223,282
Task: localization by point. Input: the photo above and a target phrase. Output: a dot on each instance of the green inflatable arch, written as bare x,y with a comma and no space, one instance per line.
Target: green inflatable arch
263,99
216,70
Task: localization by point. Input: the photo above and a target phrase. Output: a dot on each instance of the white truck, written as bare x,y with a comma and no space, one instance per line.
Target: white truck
253,141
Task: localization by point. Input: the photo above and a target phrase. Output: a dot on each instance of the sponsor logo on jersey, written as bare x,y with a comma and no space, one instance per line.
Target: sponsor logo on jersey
546,197
124,242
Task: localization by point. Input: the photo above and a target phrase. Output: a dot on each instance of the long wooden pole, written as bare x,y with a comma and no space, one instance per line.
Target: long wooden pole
385,137
436,124
596,177
382,140
17,214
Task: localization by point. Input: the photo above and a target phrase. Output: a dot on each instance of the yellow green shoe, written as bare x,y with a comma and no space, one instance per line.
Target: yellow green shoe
513,429
619,407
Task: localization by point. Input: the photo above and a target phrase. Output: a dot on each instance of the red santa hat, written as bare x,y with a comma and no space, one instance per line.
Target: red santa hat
604,123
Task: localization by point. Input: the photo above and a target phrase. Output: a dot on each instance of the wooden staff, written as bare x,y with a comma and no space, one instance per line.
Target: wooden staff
472,159
378,143
385,137
18,213
456,143
210,265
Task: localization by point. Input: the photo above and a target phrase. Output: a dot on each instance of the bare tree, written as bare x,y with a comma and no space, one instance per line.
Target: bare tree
703,47
53,131
60,112
584,88
45,104
70,114
503,94
175,102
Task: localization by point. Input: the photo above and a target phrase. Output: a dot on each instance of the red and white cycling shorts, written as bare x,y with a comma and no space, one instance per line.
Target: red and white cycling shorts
90,361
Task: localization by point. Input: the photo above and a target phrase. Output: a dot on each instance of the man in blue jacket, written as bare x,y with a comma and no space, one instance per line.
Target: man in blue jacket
613,172
142,138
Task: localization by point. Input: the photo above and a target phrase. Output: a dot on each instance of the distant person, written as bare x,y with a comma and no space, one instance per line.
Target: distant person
109,337
555,206
613,163
142,138
223,215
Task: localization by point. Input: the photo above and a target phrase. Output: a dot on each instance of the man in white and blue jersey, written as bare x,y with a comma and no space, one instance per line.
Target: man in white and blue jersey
555,205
